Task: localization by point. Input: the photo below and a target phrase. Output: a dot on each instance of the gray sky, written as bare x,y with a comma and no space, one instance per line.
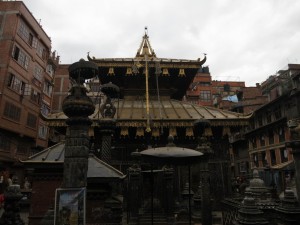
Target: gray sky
244,40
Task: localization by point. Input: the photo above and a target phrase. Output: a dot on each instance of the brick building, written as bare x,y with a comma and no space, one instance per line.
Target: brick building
26,82
264,141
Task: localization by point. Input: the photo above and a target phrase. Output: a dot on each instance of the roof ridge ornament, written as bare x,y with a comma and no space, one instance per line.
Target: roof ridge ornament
145,49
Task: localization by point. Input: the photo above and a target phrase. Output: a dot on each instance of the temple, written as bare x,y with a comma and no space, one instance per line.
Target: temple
139,104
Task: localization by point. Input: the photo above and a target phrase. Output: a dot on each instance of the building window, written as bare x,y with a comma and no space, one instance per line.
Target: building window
31,120
255,159
205,96
252,143
47,88
35,96
283,155
269,116
21,57
271,137
16,84
273,157
260,121
41,51
22,148
226,87
43,131
277,112
4,143
262,140
11,111
25,33
38,73
281,134
204,84
264,159
50,70
45,110
243,167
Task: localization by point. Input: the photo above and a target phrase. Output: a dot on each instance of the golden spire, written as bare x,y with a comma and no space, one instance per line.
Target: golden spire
145,48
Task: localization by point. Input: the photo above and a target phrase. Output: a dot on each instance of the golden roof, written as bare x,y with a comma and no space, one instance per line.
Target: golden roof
166,113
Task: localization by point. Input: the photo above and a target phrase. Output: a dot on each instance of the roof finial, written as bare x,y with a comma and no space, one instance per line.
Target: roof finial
146,30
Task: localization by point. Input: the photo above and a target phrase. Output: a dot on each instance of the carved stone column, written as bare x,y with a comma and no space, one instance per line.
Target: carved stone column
204,147
107,124
78,106
134,190
168,190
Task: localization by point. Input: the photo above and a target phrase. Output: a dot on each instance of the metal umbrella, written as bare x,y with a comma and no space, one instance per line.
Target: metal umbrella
172,155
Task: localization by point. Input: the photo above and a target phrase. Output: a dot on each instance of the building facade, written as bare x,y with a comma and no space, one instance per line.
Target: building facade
26,83
268,131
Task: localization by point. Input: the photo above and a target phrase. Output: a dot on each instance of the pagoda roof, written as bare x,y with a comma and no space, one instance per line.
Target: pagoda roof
166,112
127,73
56,154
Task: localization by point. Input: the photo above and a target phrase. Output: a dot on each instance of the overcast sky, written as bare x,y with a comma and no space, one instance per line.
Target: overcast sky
244,40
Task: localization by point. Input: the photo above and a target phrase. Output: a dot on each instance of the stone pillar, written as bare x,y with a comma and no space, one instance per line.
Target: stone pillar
107,128
168,190
197,204
134,190
206,215
78,106
204,147
107,124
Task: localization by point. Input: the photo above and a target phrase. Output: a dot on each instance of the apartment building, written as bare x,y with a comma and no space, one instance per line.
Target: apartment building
27,69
